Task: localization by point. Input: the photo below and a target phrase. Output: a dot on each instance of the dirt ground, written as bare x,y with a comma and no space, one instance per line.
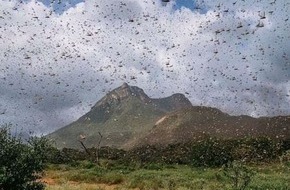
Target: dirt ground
51,184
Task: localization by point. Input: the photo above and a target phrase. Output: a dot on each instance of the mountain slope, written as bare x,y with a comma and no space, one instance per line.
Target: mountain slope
122,115
198,122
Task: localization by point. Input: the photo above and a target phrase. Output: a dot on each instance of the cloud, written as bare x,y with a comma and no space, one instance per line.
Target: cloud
56,65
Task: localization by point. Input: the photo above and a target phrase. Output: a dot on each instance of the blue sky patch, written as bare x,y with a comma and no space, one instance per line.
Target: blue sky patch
60,6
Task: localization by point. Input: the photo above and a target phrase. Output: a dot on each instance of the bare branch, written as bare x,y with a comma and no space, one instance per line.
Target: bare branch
83,145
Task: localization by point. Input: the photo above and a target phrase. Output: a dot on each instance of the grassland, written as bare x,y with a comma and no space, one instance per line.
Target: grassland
115,176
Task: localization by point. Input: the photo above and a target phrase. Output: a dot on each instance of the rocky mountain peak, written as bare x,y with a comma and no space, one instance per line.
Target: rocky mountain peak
125,85
126,91
123,92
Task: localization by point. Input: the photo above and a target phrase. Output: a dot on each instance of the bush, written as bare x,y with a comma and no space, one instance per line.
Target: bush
21,164
211,153
258,149
285,158
239,175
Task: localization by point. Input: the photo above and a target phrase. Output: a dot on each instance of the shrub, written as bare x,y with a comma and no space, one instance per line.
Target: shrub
285,158
239,175
258,149
211,153
21,164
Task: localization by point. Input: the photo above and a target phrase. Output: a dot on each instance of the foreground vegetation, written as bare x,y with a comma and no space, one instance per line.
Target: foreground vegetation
21,163
236,164
112,175
212,164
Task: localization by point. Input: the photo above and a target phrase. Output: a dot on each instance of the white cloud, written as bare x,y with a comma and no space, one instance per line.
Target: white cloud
221,58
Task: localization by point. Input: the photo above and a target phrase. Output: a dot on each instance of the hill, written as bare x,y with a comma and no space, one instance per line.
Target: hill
124,114
127,118
197,122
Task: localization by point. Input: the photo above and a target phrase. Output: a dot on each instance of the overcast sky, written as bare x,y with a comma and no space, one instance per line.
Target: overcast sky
58,59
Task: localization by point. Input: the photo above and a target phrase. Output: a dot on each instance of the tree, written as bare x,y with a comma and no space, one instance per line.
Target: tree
238,174
211,152
96,155
21,165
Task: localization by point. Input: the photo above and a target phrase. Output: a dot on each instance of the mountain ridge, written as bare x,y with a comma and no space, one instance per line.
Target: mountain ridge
196,123
121,115
128,118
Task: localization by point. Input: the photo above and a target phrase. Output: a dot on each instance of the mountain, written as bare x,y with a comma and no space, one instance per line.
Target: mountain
197,122
126,118
123,115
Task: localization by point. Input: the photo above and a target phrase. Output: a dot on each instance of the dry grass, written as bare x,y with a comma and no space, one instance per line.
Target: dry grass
54,184
78,186
177,177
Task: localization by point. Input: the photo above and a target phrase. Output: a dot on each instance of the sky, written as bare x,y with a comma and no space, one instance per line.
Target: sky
58,58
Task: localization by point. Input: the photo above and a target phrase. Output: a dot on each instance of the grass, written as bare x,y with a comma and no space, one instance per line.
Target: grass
168,177
70,186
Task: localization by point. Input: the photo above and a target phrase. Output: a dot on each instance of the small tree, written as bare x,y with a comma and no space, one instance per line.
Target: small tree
211,152
239,175
285,158
21,165
96,155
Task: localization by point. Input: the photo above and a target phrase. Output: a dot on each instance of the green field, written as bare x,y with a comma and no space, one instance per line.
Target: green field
111,175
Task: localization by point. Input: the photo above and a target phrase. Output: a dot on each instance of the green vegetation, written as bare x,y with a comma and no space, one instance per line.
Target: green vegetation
250,163
239,175
212,153
21,164
264,165
117,176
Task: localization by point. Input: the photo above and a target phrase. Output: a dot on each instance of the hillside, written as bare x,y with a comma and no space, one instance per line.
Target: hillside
122,115
198,122
127,118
